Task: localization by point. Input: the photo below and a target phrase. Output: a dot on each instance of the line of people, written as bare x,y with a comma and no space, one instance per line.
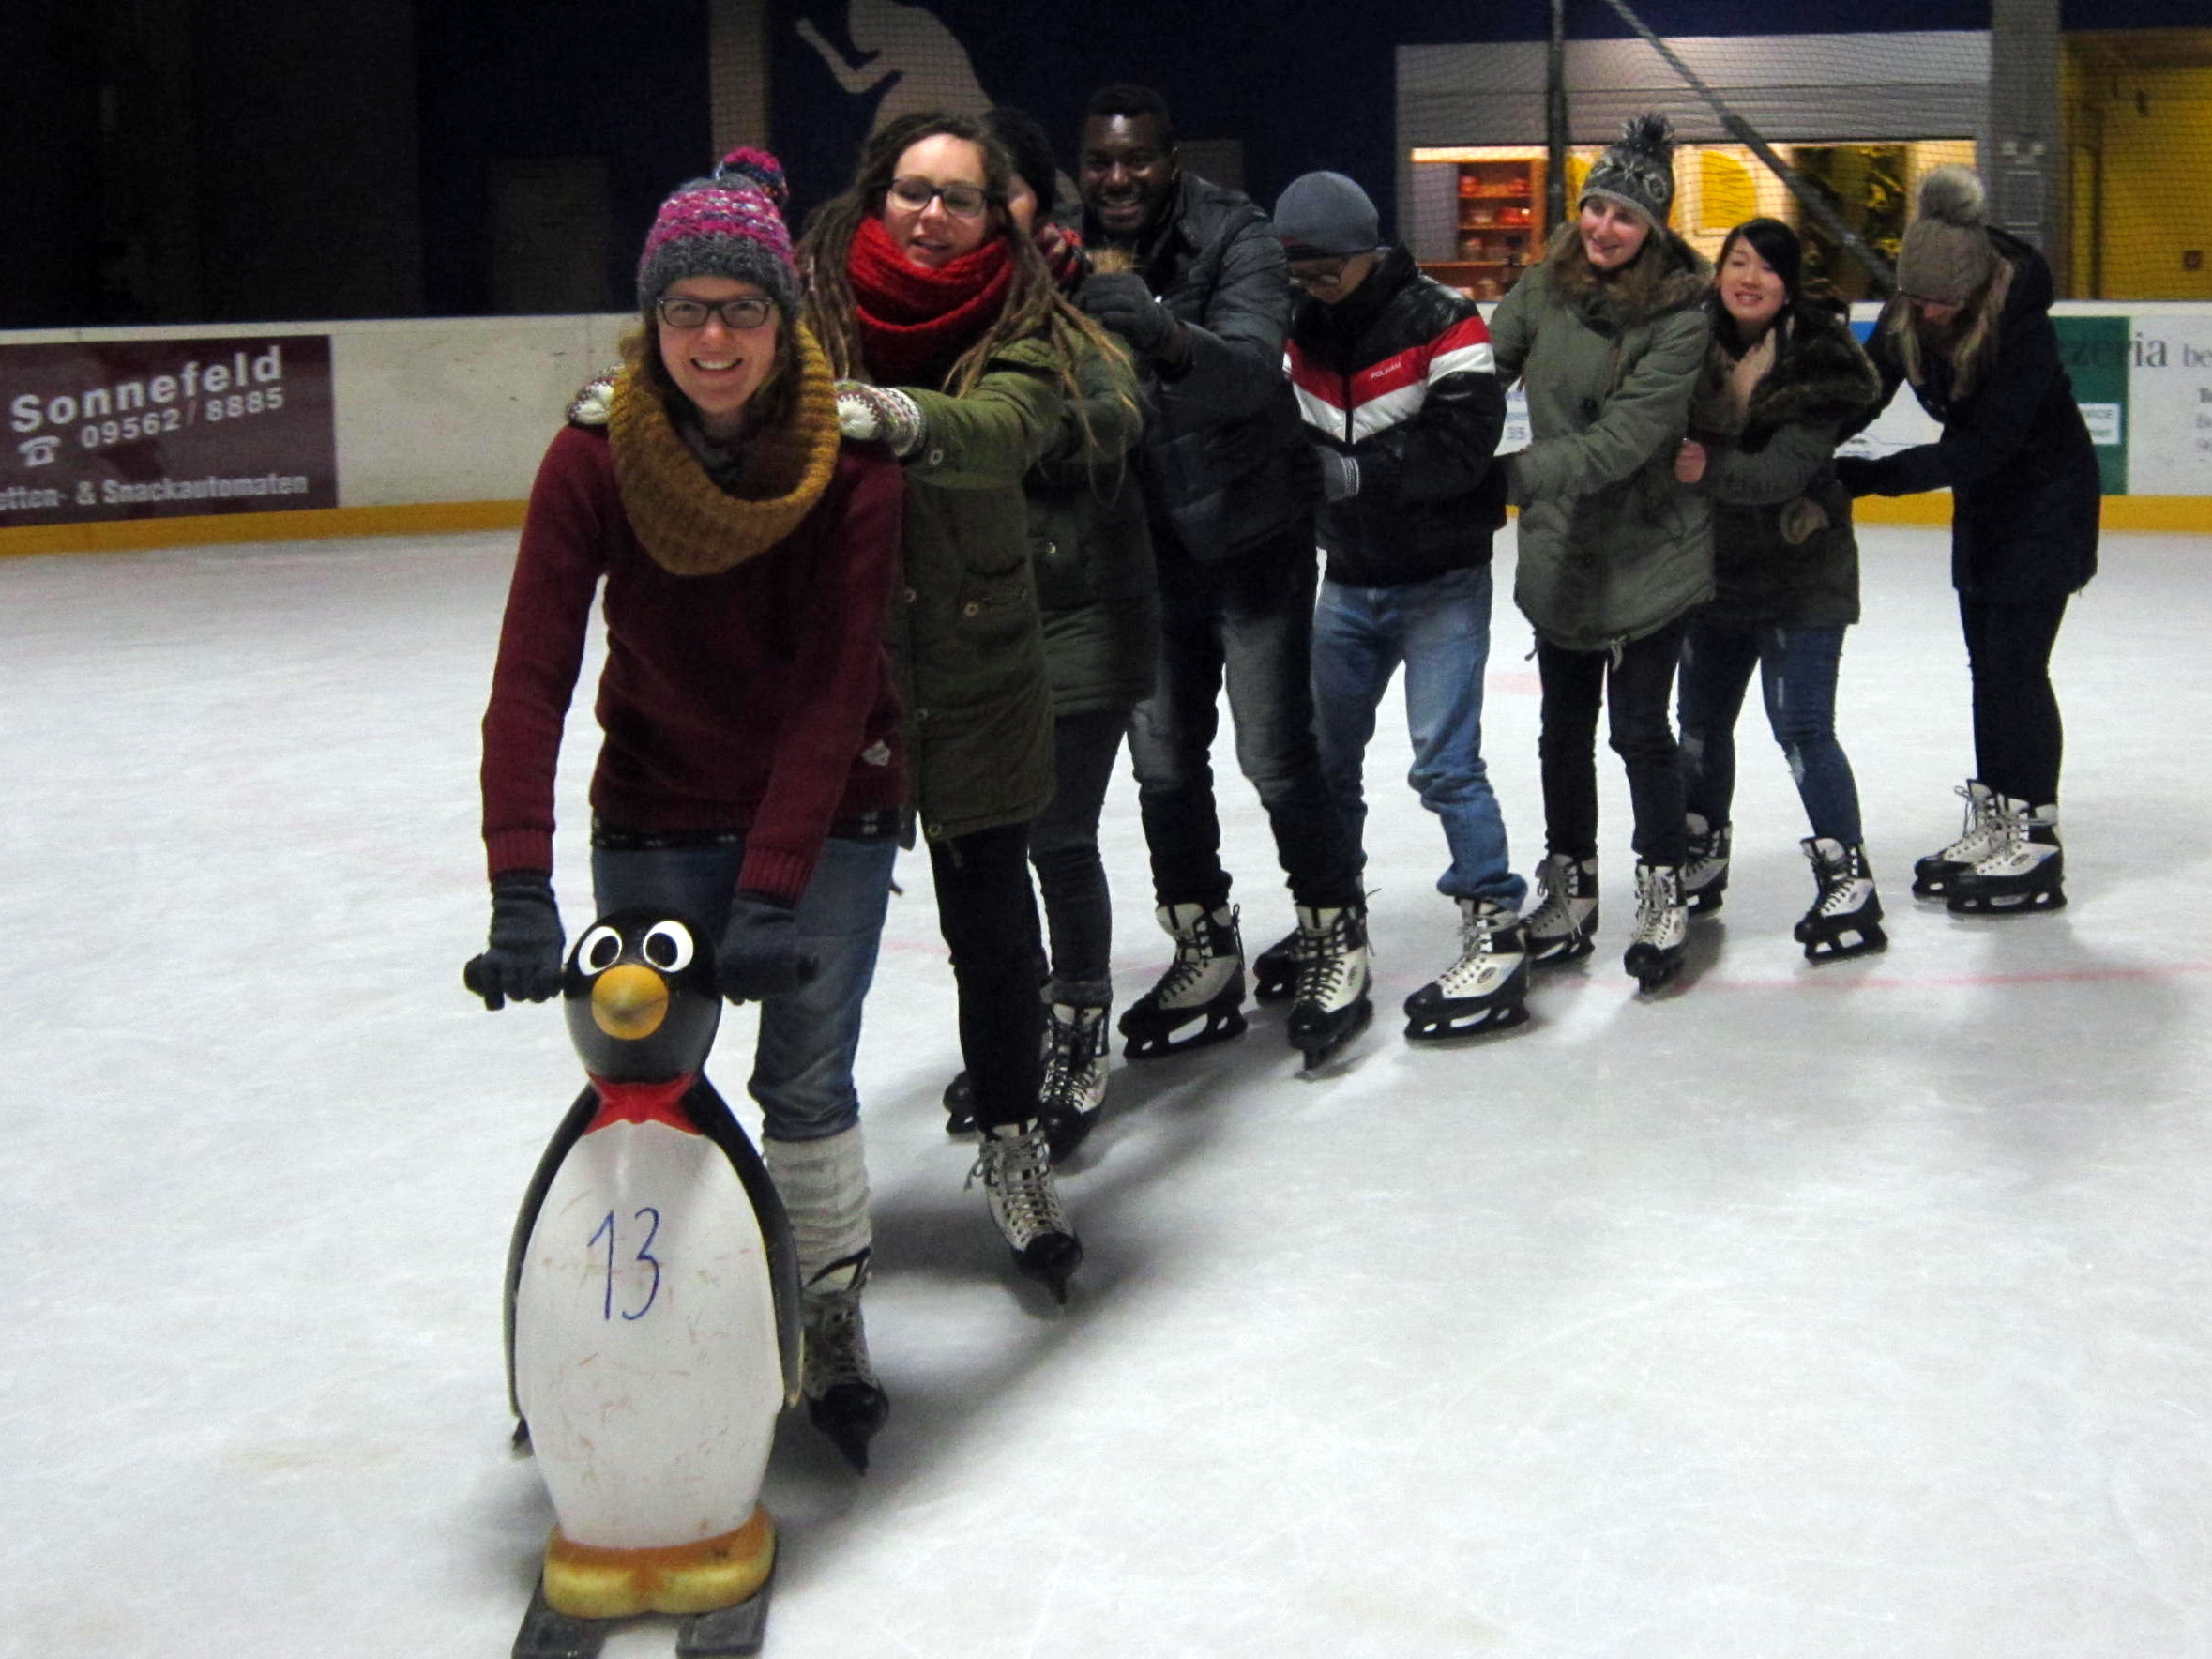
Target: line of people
902,528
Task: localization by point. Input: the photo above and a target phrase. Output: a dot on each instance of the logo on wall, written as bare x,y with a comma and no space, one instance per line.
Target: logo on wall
132,429
904,54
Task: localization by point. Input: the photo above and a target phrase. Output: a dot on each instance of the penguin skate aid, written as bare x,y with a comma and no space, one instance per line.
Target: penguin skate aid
745,806
1611,566
1783,379
1970,330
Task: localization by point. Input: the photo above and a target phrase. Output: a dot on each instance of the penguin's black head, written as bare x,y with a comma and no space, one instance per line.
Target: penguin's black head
640,996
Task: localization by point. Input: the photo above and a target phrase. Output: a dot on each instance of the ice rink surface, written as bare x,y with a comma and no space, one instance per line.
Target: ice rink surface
1856,1312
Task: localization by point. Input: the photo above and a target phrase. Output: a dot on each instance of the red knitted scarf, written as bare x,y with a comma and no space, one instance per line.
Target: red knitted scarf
914,319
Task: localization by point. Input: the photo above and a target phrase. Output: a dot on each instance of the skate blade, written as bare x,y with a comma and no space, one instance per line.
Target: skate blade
728,1632
1560,955
1266,988
1219,1027
1659,978
1051,1261
2030,903
547,1635
1317,1052
1860,942
1703,903
1443,1028
850,1422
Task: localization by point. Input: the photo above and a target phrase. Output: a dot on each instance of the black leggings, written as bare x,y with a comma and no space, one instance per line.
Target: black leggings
2017,736
1064,846
1636,684
987,912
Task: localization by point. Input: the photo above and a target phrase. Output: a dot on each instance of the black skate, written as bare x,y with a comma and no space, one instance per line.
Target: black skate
960,1105
1017,1170
2025,875
1074,1090
1332,1005
1200,999
1846,915
547,1635
1275,970
1705,872
1982,835
1561,928
843,1398
1486,989
1654,955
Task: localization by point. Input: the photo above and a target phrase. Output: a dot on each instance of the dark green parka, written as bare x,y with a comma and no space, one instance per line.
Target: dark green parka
1783,551
1612,547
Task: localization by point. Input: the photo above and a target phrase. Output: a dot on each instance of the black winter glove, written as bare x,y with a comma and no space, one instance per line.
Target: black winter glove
759,955
1120,301
524,957
1859,475
1339,474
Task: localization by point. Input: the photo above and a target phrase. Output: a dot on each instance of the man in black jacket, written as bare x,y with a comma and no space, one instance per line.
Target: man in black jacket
1393,375
1190,275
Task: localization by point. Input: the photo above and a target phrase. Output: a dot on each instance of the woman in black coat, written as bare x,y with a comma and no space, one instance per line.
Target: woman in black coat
1970,328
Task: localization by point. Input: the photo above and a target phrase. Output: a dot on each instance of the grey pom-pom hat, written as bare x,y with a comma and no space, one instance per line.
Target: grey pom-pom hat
1639,171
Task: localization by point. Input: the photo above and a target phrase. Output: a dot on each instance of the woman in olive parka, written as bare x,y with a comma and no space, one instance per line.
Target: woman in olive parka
1608,336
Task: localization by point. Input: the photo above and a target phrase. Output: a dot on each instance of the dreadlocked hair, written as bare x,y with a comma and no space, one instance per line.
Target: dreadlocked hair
1033,307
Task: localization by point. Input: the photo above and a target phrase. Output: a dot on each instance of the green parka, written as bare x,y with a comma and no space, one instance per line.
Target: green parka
1092,549
1612,547
965,631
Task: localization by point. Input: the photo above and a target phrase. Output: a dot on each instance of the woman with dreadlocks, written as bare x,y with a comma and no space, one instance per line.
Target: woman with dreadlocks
953,346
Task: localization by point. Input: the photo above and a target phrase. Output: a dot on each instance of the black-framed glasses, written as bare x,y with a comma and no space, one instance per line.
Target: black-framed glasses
963,200
748,311
1324,273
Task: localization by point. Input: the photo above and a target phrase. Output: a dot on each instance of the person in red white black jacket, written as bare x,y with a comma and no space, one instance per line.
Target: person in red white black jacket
1393,375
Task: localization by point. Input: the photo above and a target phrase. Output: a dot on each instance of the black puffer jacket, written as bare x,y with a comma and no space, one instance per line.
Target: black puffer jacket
1397,377
1783,553
1224,460
2015,452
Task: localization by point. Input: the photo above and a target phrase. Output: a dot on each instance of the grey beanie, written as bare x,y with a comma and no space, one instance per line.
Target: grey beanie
1638,172
1321,214
1946,255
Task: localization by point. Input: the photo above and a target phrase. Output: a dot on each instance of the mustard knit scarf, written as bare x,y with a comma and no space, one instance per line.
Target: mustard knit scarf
688,524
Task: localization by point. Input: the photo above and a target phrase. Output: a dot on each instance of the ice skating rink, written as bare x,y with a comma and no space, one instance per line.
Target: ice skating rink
1845,1313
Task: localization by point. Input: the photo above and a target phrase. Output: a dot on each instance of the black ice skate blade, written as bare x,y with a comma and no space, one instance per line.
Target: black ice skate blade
1705,900
1869,941
727,1633
1051,1261
1560,956
1067,1130
960,1106
1220,1026
1316,1051
2037,901
849,1415
547,1635
1439,1027
1655,977
1270,987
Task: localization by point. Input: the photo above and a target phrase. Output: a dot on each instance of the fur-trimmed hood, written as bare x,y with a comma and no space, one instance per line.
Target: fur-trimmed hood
1667,275
1821,377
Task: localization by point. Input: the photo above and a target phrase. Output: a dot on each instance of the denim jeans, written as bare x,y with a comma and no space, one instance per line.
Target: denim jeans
1440,631
2018,738
1064,847
1635,684
1798,679
987,913
802,1067
1247,622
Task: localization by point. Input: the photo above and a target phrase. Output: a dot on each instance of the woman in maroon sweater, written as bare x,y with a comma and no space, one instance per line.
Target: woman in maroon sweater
749,776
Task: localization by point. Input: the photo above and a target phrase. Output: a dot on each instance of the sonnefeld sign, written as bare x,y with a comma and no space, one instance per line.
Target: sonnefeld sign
130,429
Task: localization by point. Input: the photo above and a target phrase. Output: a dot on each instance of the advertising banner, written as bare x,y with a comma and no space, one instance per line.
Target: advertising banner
135,429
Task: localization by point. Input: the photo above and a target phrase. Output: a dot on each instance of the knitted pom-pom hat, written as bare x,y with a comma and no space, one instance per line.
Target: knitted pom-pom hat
1947,254
730,225
1639,171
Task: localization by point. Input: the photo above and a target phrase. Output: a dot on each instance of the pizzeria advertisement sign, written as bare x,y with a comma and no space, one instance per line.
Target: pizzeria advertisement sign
134,429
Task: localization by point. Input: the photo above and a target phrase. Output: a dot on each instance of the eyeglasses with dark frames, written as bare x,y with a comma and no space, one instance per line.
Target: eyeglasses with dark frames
1319,273
748,311
963,200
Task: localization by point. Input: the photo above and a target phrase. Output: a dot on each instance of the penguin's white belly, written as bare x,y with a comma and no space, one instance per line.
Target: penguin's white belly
645,1351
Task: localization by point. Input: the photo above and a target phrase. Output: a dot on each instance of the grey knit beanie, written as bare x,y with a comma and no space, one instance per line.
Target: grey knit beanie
1639,171
1321,214
1946,255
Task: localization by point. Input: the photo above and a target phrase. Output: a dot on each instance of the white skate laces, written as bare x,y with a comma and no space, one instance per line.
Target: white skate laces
1016,1169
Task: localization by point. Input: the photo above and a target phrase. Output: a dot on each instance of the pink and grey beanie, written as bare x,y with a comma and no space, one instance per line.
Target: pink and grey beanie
730,225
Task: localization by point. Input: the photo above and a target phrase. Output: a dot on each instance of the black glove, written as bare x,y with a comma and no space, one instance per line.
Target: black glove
1859,475
759,955
1339,474
1120,301
524,957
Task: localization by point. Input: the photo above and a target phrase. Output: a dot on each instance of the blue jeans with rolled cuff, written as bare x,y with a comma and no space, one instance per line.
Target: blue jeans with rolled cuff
1797,668
1439,630
802,1073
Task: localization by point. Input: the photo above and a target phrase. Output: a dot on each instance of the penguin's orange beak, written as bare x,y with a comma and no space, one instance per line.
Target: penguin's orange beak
629,1001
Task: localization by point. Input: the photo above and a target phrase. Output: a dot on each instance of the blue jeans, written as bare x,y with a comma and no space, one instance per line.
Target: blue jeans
1247,622
1798,678
1440,630
802,1063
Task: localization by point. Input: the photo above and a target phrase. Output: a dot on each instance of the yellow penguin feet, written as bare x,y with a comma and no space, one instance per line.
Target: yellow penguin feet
714,1572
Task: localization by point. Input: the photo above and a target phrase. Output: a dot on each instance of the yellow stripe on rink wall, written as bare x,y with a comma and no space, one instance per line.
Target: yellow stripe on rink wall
2173,515
425,518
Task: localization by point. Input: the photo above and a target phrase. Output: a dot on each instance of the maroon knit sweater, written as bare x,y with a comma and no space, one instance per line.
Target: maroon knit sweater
759,699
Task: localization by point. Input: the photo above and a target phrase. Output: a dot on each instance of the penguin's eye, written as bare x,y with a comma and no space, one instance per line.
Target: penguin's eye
669,947
598,951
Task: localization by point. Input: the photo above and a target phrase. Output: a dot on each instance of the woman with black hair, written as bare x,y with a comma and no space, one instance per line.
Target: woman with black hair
1970,327
1783,379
